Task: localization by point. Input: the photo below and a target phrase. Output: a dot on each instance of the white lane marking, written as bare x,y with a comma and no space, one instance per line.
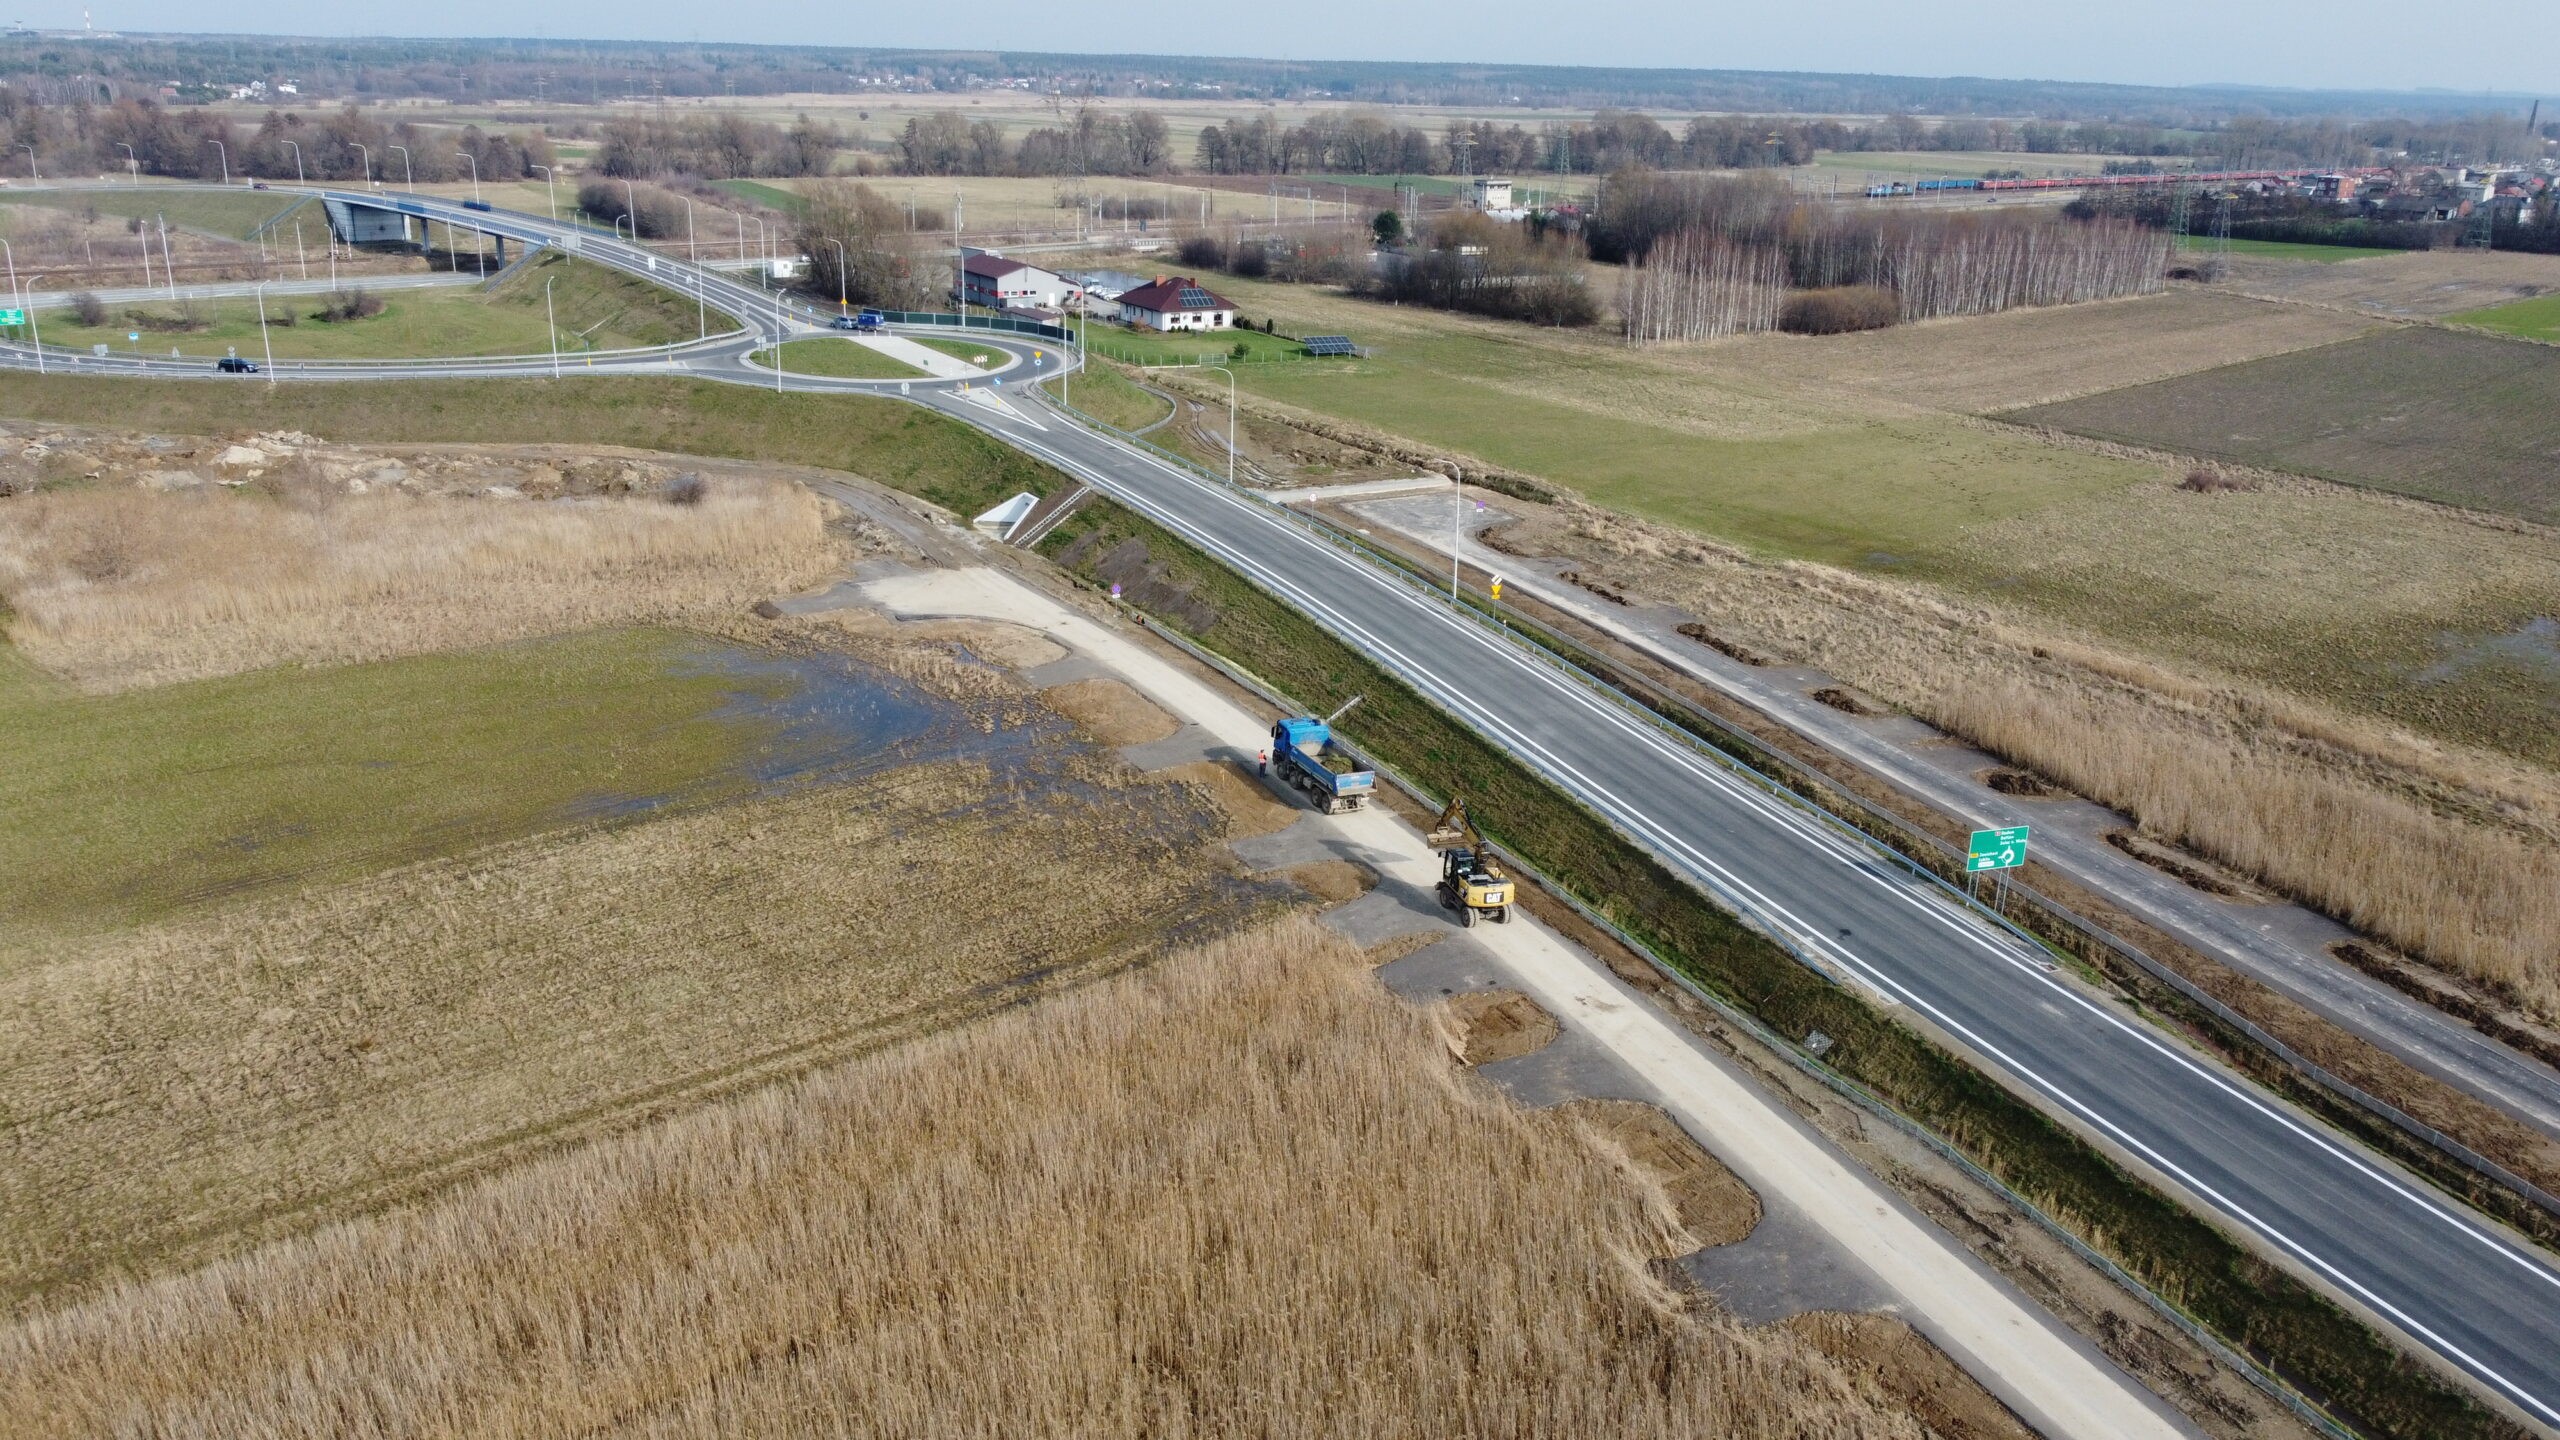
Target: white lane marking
1798,823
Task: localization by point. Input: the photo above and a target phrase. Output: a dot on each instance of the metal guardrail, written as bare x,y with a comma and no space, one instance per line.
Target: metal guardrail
2267,1380
1892,849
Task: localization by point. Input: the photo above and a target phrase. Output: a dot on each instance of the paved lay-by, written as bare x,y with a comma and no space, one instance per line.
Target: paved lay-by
2470,1292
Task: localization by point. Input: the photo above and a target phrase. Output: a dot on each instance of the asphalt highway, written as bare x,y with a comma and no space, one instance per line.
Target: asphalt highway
2485,1302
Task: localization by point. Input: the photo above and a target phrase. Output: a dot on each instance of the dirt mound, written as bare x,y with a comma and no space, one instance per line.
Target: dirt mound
1250,809
1332,881
1110,711
1490,1025
1711,1202
2187,866
1015,647
1727,648
2020,783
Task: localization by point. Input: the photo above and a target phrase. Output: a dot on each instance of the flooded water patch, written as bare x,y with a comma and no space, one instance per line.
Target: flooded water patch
2533,647
822,717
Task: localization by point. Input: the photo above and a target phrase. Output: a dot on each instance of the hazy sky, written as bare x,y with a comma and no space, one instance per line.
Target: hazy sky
2507,45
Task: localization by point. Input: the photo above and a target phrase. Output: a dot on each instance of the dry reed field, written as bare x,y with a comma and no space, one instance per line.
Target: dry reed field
1241,1193
182,1088
2452,854
119,585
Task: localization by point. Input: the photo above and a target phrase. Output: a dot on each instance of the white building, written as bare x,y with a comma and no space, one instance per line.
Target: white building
1176,303
1000,284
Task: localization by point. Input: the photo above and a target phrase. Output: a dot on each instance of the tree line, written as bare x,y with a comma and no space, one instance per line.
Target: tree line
80,139
1092,142
720,147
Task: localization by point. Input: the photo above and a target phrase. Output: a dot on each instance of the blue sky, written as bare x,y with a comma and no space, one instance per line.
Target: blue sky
2470,45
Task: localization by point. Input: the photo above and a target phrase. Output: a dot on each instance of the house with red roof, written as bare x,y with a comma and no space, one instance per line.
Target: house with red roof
1176,303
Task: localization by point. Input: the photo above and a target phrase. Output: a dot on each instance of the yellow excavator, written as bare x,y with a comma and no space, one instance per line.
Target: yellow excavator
1472,882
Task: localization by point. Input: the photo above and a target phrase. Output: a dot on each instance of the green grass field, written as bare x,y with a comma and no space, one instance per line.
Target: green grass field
597,309
1113,398
845,358
232,214
772,197
1144,347
969,351
2534,319
2291,250
1838,487
124,807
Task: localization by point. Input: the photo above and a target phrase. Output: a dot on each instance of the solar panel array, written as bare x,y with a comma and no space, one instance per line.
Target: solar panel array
1196,299
1329,345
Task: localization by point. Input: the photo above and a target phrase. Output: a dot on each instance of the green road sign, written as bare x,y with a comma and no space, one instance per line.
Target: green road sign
1996,849
13,317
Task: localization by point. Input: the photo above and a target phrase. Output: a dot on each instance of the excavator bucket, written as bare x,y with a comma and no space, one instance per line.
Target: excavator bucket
1444,837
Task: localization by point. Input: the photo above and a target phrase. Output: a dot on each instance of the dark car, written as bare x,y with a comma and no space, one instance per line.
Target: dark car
477,205
258,185
234,365
845,322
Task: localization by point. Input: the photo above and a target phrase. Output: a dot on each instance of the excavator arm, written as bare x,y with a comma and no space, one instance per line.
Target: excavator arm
1453,828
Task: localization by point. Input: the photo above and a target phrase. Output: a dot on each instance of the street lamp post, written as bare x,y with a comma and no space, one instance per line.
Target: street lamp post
168,266
33,329
31,162
296,148
264,343
475,172
693,257
631,207
549,189
1231,420
225,152
1457,517
553,320
368,162
132,167
408,172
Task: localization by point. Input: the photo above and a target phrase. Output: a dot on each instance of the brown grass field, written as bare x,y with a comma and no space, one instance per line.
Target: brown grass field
2419,283
1241,1193
187,1087
117,586
2464,418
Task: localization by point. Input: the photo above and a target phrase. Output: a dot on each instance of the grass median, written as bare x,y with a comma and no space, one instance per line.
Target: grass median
2260,1308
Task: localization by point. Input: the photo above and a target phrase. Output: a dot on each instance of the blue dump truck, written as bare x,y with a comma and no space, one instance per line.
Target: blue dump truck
1312,760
